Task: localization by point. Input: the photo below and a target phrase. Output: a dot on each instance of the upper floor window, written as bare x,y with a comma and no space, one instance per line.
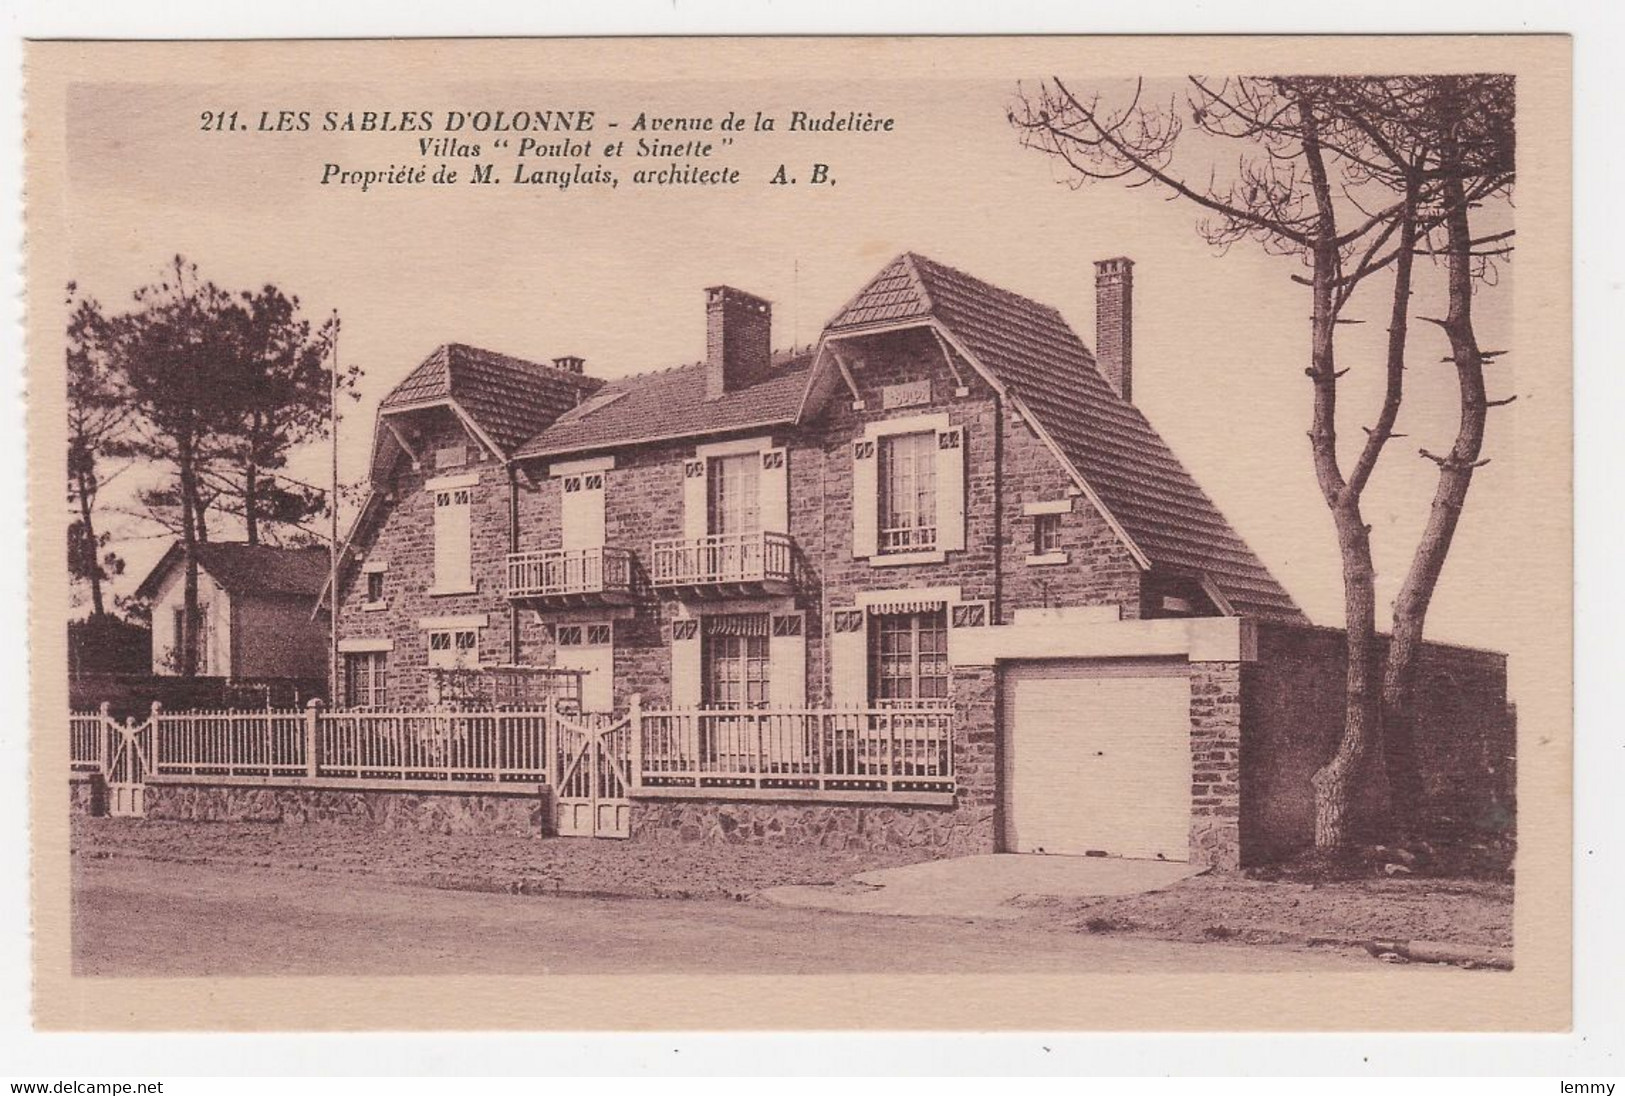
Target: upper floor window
908,492
375,587
1046,534
734,504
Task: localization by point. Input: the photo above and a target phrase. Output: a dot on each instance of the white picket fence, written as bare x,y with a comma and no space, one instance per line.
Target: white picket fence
875,749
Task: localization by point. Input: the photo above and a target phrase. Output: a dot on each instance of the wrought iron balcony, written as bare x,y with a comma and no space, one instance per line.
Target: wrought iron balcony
572,576
722,563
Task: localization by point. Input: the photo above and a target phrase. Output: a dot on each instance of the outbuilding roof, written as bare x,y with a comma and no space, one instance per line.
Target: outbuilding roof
240,568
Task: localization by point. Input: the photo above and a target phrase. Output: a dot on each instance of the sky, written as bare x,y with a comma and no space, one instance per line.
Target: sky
617,277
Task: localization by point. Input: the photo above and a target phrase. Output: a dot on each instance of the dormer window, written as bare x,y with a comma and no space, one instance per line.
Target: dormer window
908,493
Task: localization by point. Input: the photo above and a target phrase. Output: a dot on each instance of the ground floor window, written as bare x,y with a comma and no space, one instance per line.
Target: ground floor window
735,661
454,650
366,680
910,657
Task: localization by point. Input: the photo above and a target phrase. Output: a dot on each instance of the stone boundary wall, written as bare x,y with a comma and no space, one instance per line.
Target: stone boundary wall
448,811
947,831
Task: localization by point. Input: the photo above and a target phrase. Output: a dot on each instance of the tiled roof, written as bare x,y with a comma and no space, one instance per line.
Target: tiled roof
1030,348
509,397
250,568
672,404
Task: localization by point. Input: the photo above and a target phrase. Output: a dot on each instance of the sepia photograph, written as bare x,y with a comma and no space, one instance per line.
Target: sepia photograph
588,512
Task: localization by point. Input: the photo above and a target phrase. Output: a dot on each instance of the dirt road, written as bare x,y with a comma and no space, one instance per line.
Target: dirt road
145,918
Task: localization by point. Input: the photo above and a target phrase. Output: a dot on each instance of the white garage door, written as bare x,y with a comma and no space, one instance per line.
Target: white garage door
1097,758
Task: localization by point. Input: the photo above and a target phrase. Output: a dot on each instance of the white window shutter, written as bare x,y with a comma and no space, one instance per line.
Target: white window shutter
695,500
951,489
865,497
774,488
685,664
453,540
581,511
787,662
596,663
849,659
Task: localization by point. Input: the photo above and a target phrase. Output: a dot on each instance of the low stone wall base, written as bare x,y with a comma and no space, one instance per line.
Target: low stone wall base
425,812
944,830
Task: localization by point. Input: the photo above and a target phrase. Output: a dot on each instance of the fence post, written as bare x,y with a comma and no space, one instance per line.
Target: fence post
550,737
152,752
313,738
634,727
103,751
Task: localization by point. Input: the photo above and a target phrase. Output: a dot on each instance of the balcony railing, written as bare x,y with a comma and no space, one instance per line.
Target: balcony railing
569,574
760,559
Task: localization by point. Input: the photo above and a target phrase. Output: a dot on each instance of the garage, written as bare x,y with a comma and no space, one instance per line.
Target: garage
1097,758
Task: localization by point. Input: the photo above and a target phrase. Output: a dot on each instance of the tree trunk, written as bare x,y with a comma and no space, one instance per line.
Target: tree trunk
251,502
251,480
1455,477
86,491
191,616
1336,783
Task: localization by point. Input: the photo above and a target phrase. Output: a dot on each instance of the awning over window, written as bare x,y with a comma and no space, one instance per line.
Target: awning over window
910,605
737,624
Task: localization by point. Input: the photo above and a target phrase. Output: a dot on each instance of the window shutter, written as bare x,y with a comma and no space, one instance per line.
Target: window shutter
951,489
774,488
849,659
787,662
581,510
865,497
695,499
596,662
453,540
963,616
685,663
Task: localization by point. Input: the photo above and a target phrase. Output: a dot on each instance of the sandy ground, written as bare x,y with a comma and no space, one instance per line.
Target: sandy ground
1218,907
1207,910
530,865
150,918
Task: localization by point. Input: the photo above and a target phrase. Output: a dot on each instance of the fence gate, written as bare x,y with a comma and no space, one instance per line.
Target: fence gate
592,757
128,749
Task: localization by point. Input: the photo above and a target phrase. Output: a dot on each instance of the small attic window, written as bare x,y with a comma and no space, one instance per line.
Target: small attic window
451,456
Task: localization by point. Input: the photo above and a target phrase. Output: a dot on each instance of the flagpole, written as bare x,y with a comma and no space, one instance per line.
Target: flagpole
333,525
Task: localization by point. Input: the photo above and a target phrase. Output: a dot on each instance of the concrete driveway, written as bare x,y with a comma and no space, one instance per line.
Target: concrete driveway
982,886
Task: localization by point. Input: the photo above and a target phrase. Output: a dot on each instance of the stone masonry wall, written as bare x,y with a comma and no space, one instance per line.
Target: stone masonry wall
424,812
1216,764
404,539
1293,701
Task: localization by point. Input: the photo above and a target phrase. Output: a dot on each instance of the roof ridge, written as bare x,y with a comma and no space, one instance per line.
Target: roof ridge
987,286
910,258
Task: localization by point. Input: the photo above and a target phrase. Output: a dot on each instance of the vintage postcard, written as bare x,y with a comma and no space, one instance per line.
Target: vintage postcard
1048,533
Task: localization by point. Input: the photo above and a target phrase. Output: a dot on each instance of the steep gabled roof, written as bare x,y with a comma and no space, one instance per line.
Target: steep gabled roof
249,569
673,404
1030,350
509,398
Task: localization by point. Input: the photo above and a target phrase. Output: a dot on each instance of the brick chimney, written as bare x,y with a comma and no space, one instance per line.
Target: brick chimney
738,340
1114,323
570,364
